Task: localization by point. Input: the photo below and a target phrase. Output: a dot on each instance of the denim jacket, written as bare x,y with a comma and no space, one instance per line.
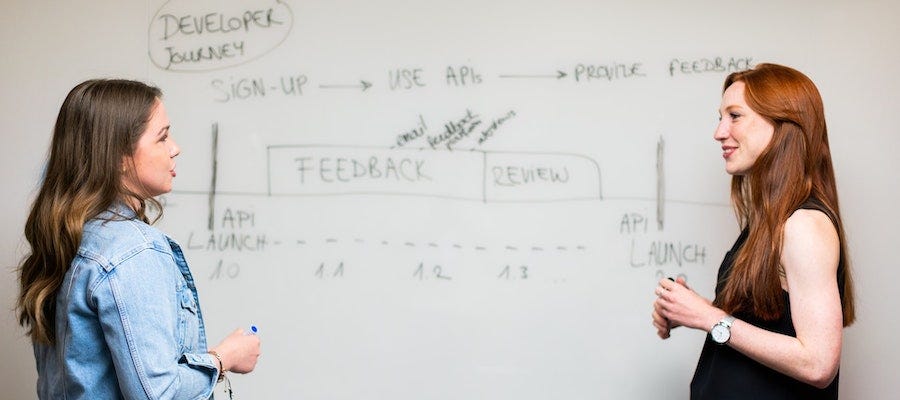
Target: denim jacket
128,322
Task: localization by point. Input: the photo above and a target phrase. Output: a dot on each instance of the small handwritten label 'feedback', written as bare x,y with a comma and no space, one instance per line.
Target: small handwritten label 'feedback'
467,131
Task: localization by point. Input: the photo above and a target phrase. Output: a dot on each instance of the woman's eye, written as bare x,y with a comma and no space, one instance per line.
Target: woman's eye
734,115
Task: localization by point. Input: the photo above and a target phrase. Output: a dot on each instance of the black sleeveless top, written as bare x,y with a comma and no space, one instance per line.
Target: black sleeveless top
725,373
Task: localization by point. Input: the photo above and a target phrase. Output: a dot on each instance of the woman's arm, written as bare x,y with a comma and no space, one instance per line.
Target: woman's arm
810,256
138,305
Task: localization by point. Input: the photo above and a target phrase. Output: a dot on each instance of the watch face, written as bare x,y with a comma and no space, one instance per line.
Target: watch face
720,334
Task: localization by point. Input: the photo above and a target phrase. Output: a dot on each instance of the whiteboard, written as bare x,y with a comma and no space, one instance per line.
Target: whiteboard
469,199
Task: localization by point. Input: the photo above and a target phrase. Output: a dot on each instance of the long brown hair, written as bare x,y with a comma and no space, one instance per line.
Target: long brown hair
796,166
98,126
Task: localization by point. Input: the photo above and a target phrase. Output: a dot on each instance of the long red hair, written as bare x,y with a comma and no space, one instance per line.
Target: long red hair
795,167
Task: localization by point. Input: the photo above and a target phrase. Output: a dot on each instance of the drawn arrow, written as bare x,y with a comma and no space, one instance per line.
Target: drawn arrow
559,75
362,84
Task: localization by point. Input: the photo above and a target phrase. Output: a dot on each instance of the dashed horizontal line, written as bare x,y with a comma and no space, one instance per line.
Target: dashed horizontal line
457,246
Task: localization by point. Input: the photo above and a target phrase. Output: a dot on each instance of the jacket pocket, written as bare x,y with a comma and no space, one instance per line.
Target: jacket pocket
188,321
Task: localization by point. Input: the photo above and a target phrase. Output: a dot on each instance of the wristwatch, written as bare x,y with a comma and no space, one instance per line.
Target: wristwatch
721,331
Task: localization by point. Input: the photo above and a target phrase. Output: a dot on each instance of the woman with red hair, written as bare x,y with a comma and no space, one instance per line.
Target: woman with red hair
784,291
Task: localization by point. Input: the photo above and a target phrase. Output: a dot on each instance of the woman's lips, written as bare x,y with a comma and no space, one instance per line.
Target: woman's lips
727,151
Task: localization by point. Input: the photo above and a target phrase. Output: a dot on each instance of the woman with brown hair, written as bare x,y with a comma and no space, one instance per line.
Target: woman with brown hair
784,291
108,300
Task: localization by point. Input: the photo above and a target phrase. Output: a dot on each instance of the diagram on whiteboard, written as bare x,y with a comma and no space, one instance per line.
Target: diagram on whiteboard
386,181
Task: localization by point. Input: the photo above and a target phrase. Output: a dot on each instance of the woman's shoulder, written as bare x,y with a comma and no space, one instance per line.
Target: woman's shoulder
112,240
810,240
809,222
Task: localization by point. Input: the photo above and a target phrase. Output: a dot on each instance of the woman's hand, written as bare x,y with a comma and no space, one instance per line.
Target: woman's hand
677,305
239,351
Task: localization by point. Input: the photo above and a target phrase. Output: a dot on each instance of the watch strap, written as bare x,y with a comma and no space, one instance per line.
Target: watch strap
728,321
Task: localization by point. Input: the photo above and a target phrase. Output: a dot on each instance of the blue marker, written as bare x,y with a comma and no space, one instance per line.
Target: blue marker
252,331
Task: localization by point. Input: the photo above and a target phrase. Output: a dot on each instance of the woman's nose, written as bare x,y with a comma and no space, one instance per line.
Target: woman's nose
175,150
721,132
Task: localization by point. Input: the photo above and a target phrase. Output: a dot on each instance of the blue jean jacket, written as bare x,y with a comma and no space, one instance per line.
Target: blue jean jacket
128,321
